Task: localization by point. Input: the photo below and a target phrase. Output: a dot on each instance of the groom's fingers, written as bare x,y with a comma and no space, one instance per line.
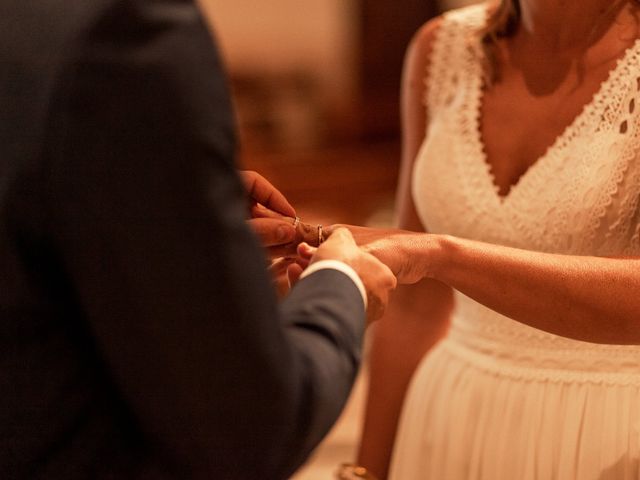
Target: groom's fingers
260,211
272,232
306,251
262,191
307,232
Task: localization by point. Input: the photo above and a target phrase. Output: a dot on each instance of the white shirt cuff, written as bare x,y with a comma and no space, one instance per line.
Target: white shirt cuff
341,267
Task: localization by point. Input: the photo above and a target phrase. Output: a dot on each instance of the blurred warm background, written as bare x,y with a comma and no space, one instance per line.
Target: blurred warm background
316,86
316,90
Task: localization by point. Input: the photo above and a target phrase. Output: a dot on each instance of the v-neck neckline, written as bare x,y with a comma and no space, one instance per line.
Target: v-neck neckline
593,107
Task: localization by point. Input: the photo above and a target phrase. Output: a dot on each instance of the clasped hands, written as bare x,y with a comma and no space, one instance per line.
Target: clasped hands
381,257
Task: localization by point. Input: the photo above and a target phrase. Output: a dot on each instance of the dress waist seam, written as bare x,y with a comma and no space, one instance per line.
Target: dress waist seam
539,369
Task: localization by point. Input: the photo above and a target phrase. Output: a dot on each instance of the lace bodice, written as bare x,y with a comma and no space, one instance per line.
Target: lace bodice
580,198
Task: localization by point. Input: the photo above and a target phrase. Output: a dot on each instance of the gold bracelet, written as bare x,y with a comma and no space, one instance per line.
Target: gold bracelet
351,471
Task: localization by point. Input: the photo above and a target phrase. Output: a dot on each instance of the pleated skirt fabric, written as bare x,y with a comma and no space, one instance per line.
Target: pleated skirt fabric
473,416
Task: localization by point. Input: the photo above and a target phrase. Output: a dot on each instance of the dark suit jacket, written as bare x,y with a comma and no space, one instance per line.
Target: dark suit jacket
139,333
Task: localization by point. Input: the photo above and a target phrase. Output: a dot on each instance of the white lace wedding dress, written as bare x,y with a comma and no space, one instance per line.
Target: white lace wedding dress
498,400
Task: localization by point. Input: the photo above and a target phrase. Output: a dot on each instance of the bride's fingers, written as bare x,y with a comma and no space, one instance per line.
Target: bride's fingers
329,229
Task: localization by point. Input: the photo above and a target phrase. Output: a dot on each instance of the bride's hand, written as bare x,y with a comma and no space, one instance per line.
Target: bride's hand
405,253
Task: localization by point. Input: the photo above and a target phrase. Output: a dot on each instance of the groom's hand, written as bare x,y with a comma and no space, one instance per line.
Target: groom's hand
407,254
378,279
276,230
261,191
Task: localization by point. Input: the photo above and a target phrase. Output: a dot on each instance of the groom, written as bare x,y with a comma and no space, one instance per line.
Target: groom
139,334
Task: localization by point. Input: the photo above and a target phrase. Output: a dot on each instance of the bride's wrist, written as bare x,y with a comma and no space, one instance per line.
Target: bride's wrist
432,252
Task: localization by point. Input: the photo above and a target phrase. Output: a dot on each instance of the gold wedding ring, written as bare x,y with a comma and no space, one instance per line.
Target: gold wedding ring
296,222
320,235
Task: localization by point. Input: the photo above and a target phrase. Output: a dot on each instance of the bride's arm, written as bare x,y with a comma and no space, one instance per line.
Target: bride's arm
418,314
587,298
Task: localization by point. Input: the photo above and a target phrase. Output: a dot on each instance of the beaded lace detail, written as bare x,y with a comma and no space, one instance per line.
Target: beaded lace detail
582,197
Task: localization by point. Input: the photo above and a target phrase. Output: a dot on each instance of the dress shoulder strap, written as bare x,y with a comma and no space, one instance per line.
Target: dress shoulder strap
456,40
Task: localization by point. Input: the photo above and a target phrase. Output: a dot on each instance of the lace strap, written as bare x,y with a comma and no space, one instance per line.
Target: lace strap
621,117
448,65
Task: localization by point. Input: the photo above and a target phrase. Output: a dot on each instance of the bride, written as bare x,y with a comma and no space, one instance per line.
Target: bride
526,291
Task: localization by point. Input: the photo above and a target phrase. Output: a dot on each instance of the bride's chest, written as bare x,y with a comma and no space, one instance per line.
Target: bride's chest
518,124
571,162
581,196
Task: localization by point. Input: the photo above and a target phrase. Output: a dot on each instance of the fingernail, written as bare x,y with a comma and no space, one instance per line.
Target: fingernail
286,233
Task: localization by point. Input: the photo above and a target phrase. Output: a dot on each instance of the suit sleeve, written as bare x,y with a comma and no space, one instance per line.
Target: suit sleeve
147,214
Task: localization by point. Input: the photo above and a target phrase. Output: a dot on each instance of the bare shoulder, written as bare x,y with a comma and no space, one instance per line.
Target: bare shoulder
472,16
421,44
418,56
